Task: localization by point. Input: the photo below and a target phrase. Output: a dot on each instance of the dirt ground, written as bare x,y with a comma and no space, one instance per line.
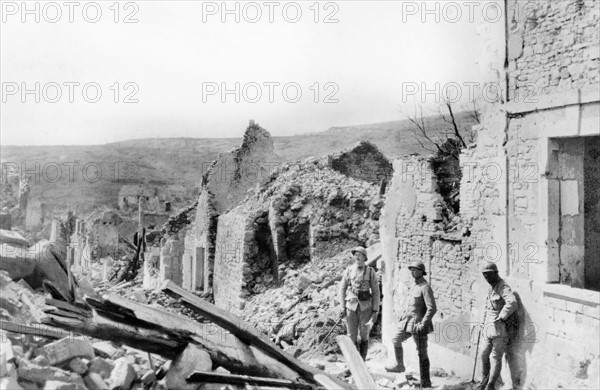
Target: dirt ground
376,360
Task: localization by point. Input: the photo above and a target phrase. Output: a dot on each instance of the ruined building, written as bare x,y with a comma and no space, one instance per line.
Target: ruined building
529,202
255,214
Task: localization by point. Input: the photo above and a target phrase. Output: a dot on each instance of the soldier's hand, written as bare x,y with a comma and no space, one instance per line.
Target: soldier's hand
342,312
419,327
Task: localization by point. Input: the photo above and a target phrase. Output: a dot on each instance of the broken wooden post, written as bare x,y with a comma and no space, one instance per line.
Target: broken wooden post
357,366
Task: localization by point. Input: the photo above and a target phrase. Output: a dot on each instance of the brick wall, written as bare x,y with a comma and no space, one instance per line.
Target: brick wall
553,46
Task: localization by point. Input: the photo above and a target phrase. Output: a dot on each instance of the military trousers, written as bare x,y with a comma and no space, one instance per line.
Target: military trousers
357,323
491,359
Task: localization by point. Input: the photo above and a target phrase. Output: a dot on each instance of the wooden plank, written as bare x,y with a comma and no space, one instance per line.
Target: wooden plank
35,330
139,338
231,379
64,313
68,307
357,366
238,328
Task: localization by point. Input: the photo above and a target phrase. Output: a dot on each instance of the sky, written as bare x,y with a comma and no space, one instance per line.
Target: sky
109,71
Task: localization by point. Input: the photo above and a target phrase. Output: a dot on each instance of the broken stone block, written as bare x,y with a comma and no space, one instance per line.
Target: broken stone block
303,283
122,376
58,385
190,360
34,373
9,383
6,354
93,381
41,361
65,349
104,349
79,365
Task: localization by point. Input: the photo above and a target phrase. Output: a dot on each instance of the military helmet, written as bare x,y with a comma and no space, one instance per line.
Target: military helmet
418,265
489,267
359,249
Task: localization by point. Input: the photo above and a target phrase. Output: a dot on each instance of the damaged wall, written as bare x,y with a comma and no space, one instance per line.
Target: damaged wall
525,190
304,213
363,162
415,227
230,176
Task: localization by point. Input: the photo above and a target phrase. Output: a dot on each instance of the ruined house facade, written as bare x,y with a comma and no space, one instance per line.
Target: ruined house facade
529,202
306,214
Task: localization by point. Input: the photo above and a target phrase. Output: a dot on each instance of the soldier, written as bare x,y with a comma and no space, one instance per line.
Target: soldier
361,304
416,322
501,303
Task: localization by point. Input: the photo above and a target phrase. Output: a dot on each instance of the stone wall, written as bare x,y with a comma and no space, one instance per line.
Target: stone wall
414,229
363,162
171,255
524,195
304,213
233,229
230,176
552,46
205,235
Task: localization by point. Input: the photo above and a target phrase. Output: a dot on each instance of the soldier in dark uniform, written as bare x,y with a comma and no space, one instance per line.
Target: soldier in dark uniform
501,303
416,322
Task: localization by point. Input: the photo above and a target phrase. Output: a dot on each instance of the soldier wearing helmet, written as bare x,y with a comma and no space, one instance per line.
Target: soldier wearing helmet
501,303
359,298
415,321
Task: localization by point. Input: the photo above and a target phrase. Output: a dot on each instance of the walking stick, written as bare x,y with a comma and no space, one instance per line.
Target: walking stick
324,338
479,339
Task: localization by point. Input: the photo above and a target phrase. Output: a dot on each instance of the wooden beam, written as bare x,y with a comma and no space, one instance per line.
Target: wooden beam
231,379
357,366
139,338
68,307
35,330
239,328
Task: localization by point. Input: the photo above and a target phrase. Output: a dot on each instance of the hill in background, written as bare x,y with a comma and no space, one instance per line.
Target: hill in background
178,163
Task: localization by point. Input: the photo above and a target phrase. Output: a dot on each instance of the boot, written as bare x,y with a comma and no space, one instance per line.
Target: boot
424,371
364,349
399,366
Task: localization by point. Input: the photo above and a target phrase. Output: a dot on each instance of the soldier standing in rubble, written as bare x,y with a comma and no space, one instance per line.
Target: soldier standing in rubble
416,321
501,304
361,303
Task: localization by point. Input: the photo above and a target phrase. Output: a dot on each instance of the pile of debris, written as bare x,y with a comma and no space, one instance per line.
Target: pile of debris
34,356
303,309
109,342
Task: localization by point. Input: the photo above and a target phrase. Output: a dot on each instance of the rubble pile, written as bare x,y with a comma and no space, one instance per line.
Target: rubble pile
300,312
34,356
313,213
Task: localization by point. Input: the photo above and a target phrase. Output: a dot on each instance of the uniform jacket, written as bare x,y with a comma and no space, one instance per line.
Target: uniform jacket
501,303
420,307
357,279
